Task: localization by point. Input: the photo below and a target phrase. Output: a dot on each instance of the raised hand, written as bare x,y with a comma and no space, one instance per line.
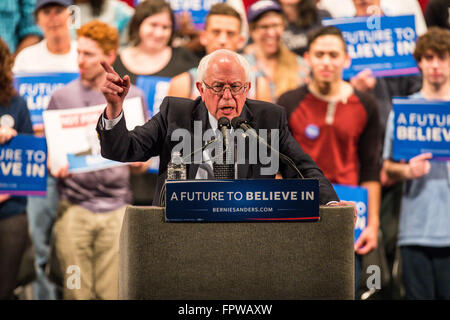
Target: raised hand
114,89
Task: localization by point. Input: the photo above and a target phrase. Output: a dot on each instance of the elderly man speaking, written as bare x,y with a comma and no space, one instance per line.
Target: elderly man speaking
223,80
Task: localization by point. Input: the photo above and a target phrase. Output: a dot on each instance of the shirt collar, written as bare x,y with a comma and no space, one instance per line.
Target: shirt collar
212,122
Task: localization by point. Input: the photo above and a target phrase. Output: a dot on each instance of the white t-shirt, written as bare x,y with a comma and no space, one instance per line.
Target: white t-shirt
37,58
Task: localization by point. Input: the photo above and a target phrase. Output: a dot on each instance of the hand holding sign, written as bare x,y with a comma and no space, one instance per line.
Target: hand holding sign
62,172
419,166
6,134
139,167
364,81
115,90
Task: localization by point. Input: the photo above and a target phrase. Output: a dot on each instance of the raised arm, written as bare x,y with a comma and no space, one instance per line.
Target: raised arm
115,90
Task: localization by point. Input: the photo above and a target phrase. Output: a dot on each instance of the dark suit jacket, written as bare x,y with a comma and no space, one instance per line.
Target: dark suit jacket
154,139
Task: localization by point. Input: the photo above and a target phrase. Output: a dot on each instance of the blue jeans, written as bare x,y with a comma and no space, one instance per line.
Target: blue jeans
41,214
426,272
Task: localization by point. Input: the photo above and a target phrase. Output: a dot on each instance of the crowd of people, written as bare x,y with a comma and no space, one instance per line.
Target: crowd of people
344,125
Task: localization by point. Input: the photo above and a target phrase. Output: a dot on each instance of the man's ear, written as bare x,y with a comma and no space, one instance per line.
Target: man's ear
348,61
111,57
202,38
241,42
200,89
307,58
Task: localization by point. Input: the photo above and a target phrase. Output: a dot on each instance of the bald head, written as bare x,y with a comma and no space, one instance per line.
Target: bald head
224,65
222,57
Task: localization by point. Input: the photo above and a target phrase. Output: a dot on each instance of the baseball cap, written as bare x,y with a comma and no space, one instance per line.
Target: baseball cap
41,3
260,7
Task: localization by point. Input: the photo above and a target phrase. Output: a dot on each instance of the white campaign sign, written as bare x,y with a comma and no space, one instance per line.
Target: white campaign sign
72,138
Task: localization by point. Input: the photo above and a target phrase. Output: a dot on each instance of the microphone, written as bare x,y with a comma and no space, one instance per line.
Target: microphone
223,125
224,168
240,123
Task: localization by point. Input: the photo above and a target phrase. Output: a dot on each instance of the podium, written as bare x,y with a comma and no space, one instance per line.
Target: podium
236,260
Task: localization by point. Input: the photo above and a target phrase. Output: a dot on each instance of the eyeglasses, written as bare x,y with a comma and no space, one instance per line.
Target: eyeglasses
219,89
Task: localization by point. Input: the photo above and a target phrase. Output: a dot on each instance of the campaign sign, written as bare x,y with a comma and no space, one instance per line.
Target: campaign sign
197,8
23,166
155,90
72,137
37,88
359,196
421,126
380,43
242,200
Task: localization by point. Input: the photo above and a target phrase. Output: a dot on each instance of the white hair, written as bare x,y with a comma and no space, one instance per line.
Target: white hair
204,63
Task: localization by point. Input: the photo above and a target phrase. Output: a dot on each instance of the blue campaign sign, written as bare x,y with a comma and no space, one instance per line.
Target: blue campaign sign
380,43
197,8
37,88
421,126
155,90
242,200
23,166
359,196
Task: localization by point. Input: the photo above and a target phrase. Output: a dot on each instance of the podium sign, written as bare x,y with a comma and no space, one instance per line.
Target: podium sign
242,200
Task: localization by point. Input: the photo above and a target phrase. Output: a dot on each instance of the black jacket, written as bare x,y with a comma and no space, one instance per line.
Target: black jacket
154,139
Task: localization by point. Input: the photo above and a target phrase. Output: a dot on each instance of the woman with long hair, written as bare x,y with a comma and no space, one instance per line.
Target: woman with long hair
14,119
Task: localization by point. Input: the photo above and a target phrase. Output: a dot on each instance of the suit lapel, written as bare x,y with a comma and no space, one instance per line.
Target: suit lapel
200,113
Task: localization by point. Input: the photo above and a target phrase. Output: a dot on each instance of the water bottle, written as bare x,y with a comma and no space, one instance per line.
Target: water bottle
176,169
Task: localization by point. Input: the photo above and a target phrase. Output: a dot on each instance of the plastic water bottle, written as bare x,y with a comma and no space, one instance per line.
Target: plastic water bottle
176,169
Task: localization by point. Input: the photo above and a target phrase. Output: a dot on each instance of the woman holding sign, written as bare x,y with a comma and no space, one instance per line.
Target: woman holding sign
14,119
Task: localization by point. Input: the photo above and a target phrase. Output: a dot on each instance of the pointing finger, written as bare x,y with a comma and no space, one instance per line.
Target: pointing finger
107,67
